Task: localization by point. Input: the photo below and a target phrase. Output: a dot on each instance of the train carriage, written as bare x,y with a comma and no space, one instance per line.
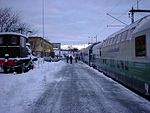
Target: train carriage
125,55
86,54
15,55
96,55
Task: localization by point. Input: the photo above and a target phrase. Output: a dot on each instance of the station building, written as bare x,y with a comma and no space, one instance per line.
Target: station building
41,47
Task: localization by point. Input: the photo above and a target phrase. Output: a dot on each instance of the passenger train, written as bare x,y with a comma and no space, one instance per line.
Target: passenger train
124,55
15,54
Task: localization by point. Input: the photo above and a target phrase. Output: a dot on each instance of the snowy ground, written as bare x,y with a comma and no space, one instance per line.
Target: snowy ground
19,91
59,87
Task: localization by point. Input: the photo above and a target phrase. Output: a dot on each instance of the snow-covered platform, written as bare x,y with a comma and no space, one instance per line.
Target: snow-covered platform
59,87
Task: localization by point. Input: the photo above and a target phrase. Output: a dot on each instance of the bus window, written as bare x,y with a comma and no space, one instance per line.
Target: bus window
14,40
140,46
1,40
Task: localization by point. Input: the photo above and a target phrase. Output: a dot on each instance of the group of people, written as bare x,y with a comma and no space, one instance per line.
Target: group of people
70,58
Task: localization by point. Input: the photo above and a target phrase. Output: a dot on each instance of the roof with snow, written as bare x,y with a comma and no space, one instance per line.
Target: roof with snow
12,33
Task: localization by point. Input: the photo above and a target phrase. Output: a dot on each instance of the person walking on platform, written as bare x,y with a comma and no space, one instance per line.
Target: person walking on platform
67,59
76,59
71,59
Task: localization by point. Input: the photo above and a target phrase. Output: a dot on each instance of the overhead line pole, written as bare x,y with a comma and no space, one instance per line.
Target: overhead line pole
132,11
43,28
43,22
137,4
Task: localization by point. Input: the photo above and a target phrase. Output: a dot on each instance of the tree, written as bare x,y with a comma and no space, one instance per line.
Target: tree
10,21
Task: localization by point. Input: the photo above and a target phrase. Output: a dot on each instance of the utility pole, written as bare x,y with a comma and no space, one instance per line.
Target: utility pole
43,22
132,11
43,27
137,4
132,15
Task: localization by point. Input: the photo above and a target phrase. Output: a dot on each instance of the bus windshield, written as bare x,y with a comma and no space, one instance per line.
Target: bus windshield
9,40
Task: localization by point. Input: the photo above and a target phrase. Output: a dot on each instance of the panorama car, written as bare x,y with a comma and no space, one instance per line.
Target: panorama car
125,55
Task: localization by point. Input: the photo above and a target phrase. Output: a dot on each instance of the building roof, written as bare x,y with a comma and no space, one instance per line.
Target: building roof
12,33
41,39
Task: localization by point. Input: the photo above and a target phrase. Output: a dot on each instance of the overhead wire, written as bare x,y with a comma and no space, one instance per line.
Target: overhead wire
125,12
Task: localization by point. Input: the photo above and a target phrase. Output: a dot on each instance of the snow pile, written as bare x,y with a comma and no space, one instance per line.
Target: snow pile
18,91
123,90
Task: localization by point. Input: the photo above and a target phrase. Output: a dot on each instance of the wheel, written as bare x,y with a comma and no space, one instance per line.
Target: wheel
20,69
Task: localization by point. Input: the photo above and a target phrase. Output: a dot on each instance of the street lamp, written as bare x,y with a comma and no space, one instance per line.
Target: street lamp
43,30
43,22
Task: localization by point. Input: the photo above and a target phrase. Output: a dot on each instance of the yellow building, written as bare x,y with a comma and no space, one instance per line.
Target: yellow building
41,47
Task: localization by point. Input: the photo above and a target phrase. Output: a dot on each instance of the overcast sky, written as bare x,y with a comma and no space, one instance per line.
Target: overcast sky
73,21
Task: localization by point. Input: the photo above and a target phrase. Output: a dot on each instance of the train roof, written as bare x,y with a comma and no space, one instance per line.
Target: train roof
91,46
138,26
12,33
97,45
142,23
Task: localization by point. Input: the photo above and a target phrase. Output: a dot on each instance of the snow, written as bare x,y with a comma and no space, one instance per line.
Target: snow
18,91
124,90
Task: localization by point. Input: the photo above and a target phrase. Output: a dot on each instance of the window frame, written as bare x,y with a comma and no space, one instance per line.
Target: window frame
1,40
14,42
139,42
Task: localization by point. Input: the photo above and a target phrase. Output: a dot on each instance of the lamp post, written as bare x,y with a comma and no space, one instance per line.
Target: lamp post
43,22
43,30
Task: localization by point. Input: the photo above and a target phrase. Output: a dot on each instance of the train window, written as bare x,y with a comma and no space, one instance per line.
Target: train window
119,38
94,56
104,61
129,36
140,46
124,36
1,40
106,43
110,41
100,53
113,40
13,40
122,64
126,66
118,65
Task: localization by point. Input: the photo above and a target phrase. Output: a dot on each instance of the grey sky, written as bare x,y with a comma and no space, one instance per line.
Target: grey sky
73,21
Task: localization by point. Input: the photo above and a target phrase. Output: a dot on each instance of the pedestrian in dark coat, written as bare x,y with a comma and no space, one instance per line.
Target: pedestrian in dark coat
76,59
67,59
71,59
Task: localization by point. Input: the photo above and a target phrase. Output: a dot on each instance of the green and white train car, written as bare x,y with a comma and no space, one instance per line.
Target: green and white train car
125,56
